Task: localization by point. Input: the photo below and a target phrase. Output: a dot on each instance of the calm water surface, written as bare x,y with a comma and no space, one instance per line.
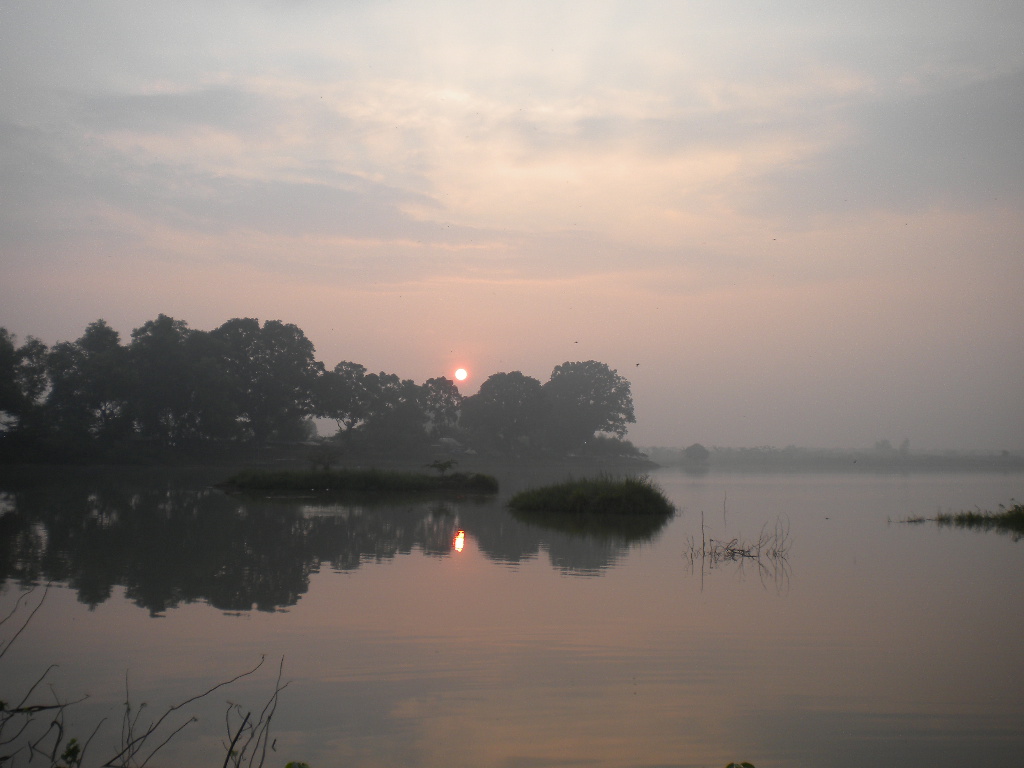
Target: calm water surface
870,643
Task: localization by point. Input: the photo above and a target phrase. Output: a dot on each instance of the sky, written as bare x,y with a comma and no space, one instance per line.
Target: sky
786,223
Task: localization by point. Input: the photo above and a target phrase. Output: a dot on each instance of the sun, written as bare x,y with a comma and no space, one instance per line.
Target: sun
461,374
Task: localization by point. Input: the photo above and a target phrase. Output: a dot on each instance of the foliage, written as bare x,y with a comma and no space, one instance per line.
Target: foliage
1006,520
90,386
585,398
507,412
395,416
697,455
176,391
341,395
359,481
610,447
596,496
442,402
272,370
22,379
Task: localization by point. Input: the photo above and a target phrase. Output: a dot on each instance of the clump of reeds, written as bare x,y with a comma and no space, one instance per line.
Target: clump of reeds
769,553
1007,520
601,496
358,481
772,544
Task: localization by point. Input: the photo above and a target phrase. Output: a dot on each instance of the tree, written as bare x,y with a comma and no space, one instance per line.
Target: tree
23,380
168,380
585,398
507,412
341,395
395,418
697,456
273,372
441,401
90,386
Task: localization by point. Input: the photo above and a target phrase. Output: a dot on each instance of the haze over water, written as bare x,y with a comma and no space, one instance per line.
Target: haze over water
871,642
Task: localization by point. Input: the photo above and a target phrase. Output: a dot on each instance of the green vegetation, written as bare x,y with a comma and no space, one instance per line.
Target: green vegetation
633,496
359,481
633,509
1006,520
1010,521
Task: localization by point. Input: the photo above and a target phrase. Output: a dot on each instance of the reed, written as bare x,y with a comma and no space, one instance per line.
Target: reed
632,496
1007,520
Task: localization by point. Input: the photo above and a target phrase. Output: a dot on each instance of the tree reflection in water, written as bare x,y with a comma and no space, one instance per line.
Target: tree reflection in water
170,542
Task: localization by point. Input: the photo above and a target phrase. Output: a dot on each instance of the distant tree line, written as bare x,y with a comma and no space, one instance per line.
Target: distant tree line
249,384
882,457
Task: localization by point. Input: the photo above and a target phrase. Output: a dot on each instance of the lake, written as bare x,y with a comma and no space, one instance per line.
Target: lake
860,641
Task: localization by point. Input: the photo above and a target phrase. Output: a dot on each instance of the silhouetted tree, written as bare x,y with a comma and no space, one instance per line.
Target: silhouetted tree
90,386
341,395
697,458
23,380
507,413
584,398
441,401
179,390
395,419
273,371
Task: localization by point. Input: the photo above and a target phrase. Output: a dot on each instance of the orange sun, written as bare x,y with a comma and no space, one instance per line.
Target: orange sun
461,374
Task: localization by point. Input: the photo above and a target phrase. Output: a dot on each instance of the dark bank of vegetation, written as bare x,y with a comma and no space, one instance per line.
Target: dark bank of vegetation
359,481
882,457
632,496
1008,520
175,393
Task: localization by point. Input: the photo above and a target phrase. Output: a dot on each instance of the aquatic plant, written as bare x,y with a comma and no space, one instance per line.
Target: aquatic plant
632,496
1008,520
35,728
769,553
358,481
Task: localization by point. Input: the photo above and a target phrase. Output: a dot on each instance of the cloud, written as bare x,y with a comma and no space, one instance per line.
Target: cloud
224,108
952,147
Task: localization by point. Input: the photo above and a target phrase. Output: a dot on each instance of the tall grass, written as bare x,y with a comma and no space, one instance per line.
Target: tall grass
595,496
1006,520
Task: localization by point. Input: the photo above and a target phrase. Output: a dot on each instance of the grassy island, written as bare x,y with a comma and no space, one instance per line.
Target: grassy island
633,509
630,497
342,481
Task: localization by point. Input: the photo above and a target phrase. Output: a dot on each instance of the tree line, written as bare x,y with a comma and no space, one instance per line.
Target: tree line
245,382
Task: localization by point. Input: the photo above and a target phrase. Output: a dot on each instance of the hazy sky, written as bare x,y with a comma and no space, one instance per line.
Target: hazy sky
803,220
